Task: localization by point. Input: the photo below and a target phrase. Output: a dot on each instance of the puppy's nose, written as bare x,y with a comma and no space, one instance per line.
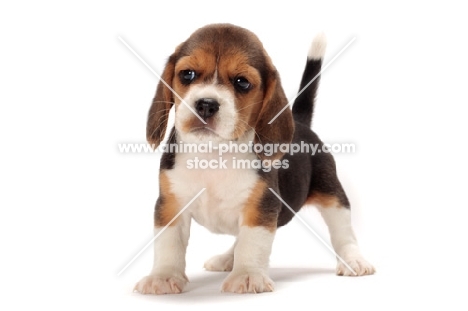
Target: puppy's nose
206,107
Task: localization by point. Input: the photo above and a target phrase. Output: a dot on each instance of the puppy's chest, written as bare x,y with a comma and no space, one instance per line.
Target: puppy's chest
227,188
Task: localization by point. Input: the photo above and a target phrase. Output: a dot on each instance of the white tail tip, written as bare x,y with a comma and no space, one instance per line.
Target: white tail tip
318,47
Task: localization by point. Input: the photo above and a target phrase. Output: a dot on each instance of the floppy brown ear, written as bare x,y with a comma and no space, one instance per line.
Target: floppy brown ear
281,130
162,103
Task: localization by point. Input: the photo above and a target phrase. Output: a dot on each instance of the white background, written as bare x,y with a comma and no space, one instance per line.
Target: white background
74,210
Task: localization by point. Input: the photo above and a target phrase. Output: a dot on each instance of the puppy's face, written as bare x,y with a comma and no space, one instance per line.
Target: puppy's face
226,87
219,77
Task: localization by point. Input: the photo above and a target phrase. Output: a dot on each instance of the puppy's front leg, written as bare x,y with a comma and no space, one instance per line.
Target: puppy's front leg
251,255
253,245
168,273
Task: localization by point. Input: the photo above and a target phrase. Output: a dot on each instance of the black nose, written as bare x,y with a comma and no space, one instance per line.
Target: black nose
206,107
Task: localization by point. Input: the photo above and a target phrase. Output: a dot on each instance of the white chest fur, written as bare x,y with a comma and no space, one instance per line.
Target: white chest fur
219,207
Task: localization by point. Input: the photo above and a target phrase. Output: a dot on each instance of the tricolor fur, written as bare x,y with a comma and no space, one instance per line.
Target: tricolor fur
223,74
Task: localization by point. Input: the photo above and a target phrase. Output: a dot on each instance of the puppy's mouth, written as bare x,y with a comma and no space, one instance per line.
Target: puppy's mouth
204,130
207,132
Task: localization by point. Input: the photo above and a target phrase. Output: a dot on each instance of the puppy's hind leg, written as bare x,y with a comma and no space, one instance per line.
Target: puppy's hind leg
330,199
221,262
338,219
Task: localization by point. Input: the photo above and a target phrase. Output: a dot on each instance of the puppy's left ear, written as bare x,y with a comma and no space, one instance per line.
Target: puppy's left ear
281,129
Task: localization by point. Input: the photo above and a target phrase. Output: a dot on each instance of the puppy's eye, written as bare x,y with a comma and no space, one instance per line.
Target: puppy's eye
187,76
242,84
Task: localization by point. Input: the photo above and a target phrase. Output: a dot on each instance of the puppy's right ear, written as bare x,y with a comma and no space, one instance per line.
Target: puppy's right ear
162,103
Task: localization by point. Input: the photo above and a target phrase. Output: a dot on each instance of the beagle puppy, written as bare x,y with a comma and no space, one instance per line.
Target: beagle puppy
226,92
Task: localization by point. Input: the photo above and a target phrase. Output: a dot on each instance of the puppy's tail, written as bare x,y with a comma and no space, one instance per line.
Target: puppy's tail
303,107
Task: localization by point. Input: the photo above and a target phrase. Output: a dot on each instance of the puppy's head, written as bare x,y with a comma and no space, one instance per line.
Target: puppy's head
224,88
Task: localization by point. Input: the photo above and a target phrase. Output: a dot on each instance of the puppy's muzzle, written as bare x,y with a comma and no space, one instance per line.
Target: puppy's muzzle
206,107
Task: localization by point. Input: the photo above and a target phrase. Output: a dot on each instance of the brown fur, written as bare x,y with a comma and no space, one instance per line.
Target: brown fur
323,200
242,55
206,66
218,54
162,103
252,215
282,129
167,207
246,58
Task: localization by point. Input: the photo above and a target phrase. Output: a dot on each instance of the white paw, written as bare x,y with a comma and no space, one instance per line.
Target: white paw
221,262
159,285
247,282
358,264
